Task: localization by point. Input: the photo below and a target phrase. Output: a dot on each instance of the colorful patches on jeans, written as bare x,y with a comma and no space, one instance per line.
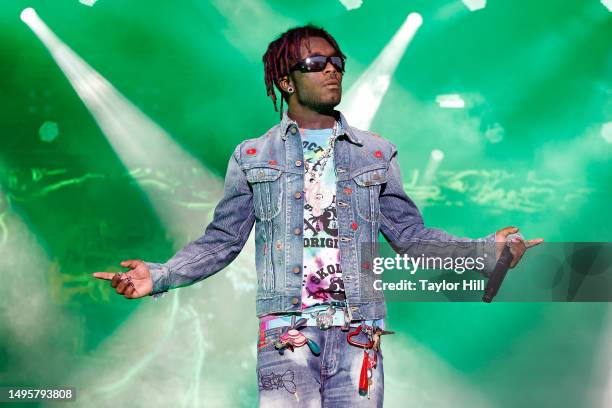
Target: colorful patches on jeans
262,339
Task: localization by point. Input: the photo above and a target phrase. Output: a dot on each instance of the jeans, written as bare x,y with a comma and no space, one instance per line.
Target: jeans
301,379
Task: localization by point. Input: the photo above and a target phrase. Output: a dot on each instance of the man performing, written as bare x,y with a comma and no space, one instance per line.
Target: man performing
317,190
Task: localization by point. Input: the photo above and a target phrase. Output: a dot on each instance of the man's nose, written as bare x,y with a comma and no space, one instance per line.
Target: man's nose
330,68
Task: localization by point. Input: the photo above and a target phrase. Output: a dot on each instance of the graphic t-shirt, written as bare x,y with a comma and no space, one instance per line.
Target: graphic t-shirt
322,276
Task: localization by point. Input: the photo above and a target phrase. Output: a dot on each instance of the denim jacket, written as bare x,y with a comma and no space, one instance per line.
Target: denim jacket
264,185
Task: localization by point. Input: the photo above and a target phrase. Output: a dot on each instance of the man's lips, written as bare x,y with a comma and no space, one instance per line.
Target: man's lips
332,84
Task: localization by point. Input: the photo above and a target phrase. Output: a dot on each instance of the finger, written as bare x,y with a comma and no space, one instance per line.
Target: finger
116,279
131,263
519,243
129,291
135,293
104,275
122,285
504,232
533,242
516,259
518,248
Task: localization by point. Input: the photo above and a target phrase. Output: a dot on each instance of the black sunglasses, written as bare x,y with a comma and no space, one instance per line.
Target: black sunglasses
317,63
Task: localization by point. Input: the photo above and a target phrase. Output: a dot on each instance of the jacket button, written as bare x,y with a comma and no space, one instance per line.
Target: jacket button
298,163
297,231
298,194
296,269
294,301
293,130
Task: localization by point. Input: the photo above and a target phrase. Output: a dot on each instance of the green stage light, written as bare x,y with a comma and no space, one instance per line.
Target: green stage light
48,131
454,101
351,4
495,133
551,175
28,15
474,5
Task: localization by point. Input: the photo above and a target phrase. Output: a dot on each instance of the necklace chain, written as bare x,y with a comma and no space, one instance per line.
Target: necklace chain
324,157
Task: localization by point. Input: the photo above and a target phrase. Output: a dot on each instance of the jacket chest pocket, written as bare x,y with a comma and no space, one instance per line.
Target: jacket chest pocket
266,183
367,192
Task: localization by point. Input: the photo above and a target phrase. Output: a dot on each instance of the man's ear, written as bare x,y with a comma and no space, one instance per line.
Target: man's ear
285,83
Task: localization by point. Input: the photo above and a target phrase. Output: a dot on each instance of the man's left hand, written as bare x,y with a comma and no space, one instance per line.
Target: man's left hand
517,245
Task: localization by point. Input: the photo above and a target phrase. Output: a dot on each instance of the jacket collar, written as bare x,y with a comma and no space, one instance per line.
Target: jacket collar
287,124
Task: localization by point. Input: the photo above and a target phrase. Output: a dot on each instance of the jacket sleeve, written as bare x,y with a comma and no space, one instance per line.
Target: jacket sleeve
402,226
222,241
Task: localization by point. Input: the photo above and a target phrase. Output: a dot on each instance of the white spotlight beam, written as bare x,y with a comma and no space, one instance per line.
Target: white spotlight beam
89,3
239,30
433,164
606,131
438,384
139,142
363,99
351,4
452,101
29,311
32,292
160,167
474,5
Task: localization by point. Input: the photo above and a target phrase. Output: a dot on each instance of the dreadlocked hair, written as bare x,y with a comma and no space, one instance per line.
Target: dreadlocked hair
284,52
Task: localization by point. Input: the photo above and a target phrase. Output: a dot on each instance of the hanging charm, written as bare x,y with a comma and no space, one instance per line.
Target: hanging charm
292,338
363,377
325,319
373,361
371,346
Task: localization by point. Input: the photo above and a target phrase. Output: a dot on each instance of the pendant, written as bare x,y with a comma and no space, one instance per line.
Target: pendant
325,320
363,377
292,338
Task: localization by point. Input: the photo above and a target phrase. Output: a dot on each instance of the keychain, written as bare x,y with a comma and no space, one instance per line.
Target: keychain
368,363
292,338
356,332
365,376
376,337
325,319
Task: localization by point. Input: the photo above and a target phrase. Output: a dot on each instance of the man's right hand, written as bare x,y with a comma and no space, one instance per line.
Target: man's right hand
134,284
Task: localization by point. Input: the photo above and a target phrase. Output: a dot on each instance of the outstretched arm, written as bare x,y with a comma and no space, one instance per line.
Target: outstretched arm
401,220
402,225
222,241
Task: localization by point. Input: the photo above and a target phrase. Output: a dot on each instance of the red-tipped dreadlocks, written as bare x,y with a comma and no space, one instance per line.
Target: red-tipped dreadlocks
284,52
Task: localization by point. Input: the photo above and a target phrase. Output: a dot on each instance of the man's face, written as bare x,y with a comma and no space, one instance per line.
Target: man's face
319,91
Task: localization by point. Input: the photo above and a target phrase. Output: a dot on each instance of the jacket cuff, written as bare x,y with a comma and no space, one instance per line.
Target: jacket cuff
159,276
